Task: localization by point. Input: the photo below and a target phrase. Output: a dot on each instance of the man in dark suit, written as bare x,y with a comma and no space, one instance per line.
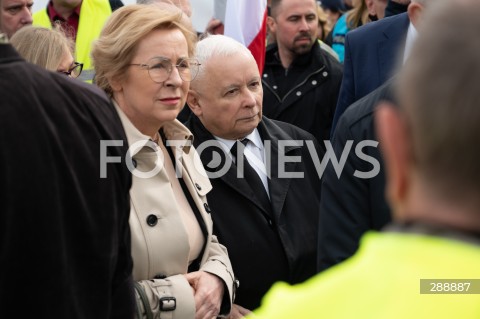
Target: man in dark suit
269,227
372,54
64,235
352,205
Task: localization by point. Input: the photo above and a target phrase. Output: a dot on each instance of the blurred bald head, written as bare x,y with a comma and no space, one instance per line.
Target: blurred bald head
431,145
441,97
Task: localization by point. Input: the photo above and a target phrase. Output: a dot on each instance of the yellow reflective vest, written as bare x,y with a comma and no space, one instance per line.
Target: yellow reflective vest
93,15
382,280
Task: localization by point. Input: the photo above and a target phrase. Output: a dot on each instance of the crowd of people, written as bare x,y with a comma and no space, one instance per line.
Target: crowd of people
149,172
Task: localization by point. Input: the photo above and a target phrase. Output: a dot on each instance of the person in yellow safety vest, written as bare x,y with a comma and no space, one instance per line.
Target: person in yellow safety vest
427,264
83,21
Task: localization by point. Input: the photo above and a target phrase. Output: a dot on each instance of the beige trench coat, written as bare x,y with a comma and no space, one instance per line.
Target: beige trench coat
162,250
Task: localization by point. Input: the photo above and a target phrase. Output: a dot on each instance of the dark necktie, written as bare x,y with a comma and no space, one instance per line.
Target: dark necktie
251,176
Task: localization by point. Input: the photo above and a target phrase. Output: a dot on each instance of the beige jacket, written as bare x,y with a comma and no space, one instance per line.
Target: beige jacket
161,250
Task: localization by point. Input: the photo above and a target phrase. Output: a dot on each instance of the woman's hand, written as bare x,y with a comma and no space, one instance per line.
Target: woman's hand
238,312
208,293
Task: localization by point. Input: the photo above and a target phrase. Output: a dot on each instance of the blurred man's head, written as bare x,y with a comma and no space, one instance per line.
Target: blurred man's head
227,93
431,145
15,14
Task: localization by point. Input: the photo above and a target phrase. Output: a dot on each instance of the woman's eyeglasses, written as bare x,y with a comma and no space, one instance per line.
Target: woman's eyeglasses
159,68
74,71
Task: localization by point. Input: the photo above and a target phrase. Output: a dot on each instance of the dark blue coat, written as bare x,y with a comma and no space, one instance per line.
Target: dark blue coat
371,55
352,205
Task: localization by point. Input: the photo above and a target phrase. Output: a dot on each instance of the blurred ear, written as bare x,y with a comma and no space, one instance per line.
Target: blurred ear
415,12
394,144
193,102
271,24
370,7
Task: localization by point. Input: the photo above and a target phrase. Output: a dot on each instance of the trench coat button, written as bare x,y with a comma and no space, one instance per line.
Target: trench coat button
299,93
325,74
207,208
152,220
198,186
314,82
134,162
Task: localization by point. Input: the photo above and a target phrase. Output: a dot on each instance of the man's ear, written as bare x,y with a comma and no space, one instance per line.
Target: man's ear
370,7
415,12
193,102
272,26
394,143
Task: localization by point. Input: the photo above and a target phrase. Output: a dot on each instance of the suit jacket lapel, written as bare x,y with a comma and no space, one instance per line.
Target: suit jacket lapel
241,186
278,185
229,177
390,47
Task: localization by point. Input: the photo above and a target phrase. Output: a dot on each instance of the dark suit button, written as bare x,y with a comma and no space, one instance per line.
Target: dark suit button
159,276
270,222
152,220
198,186
207,208
134,162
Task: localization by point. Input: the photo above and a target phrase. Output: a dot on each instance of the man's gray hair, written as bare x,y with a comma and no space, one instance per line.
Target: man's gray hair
216,46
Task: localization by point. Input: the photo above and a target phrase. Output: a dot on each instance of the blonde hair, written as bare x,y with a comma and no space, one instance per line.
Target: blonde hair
323,22
115,48
41,46
358,15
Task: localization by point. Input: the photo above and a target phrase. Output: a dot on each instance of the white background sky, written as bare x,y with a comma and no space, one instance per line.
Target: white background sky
202,11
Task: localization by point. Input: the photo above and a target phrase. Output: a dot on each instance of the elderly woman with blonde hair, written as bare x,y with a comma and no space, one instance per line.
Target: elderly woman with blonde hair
143,61
48,48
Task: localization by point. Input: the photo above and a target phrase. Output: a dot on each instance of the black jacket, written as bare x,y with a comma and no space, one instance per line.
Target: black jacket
310,100
351,205
266,246
64,234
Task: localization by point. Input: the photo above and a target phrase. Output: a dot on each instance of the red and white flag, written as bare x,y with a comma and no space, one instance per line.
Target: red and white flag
245,21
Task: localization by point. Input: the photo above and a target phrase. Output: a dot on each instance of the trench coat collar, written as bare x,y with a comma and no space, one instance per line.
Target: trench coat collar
173,131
